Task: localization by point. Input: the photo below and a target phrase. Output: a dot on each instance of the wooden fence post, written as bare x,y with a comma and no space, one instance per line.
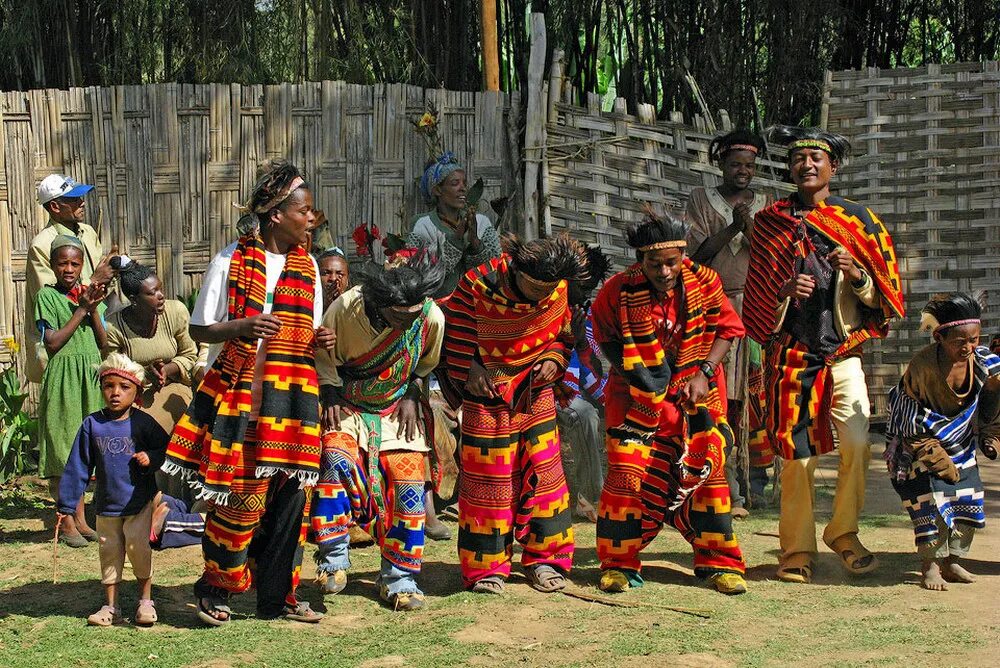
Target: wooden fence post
534,134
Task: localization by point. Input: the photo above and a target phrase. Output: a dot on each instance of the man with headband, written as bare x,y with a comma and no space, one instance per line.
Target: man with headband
665,326
823,280
508,342
720,223
460,240
375,441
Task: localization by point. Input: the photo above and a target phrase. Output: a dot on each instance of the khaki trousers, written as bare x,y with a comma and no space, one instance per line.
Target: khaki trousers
119,536
850,412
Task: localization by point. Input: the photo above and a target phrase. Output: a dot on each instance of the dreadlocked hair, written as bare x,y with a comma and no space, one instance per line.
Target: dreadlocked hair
654,228
720,146
273,177
550,260
131,274
943,309
784,135
407,284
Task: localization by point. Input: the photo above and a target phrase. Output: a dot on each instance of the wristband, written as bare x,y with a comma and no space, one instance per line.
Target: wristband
707,368
861,282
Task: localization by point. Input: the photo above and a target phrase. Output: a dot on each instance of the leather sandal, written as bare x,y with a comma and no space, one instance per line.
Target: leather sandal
546,578
855,557
145,614
491,584
796,568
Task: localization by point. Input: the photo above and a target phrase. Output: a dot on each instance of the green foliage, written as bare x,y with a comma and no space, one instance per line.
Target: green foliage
18,430
190,299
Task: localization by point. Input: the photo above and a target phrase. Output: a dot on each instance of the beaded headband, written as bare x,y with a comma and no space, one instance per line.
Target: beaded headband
537,282
678,243
740,147
956,323
810,143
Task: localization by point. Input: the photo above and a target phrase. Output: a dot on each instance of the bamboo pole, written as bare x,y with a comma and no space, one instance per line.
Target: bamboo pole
491,55
534,134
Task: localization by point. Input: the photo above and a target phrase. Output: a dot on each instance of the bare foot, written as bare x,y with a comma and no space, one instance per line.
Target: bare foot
952,572
932,577
159,519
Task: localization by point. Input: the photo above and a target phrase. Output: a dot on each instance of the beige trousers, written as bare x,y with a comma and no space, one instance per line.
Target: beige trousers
129,535
850,412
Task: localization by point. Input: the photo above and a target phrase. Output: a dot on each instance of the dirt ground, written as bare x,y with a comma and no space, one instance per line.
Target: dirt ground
882,619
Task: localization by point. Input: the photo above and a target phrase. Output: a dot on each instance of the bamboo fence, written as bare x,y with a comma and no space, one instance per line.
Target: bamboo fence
169,160
926,160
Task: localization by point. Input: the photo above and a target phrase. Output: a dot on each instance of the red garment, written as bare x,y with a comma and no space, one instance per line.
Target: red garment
604,314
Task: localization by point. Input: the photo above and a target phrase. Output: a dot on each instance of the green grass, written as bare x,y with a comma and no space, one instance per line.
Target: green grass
836,622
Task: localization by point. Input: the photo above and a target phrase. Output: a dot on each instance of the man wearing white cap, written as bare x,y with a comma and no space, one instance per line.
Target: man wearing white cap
62,198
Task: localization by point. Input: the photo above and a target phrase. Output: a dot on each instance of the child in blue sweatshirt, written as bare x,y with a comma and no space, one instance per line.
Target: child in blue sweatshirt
125,446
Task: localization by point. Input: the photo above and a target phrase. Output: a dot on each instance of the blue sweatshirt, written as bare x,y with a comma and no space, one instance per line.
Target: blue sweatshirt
106,445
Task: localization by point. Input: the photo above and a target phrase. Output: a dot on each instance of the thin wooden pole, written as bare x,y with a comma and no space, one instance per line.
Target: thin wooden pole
534,129
491,55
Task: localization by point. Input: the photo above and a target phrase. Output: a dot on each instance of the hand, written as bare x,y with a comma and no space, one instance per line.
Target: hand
989,446
141,458
546,372
407,413
263,326
103,272
325,338
929,452
741,215
332,416
479,383
93,295
471,232
841,260
695,391
799,287
156,374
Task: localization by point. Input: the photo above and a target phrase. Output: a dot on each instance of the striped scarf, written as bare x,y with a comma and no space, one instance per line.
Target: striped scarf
651,375
209,438
510,336
780,242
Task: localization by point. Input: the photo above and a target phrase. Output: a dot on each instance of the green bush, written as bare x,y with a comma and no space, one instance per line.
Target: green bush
18,430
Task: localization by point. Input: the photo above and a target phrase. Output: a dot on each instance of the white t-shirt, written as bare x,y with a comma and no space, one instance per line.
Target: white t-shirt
212,306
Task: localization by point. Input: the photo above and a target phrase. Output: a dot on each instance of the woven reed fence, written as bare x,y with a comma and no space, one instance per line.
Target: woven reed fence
926,160
169,160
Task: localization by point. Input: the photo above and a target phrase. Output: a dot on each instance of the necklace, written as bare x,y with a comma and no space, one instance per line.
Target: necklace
132,321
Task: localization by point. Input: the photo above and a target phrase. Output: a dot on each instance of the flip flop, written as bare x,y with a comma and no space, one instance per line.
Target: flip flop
796,568
215,604
855,557
546,579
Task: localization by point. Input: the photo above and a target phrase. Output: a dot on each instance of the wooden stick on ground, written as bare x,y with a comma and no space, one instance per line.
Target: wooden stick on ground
575,592
55,545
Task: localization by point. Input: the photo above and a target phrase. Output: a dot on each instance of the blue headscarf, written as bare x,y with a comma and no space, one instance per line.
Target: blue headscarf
437,172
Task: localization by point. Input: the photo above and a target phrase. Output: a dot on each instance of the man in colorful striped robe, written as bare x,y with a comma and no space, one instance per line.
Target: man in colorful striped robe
665,325
508,341
375,444
822,280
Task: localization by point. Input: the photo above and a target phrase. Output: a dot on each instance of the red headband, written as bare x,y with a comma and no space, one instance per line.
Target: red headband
740,147
121,373
956,323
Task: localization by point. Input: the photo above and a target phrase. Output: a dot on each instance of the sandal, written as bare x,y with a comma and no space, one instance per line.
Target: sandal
216,604
106,616
491,584
546,579
796,568
145,614
855,557
301,612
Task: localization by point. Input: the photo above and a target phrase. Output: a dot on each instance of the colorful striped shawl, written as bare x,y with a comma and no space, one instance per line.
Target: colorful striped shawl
779,241
488,323
376,381
208,441
651,376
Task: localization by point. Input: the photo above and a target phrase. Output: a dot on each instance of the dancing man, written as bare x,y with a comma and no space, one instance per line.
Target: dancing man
665,326
822,280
